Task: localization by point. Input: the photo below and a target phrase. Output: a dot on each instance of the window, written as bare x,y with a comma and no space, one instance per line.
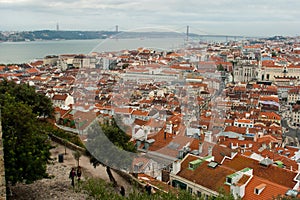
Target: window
199,194
228,180
190,190
206,197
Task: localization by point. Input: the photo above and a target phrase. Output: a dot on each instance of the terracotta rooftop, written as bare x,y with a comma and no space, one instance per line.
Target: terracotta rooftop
123,110
270,115
140,113
269,98
212,178
60,97
220,151
270,190
283,177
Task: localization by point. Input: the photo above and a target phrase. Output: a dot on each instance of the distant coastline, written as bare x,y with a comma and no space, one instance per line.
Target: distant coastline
23,36
53,35
24,51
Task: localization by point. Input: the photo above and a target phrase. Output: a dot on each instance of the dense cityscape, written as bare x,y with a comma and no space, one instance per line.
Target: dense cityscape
204,117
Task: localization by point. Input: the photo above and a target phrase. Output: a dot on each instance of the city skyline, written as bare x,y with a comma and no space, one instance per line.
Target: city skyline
251,18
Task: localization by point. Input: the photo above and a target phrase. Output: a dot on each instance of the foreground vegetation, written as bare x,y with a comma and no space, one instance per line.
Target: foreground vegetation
99,189
25,140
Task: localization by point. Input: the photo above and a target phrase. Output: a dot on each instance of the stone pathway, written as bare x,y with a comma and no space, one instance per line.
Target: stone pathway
60,187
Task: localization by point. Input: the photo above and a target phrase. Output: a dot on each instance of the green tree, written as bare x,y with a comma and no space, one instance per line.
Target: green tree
117,136
26,147
39,103
220,67
25,139
77,155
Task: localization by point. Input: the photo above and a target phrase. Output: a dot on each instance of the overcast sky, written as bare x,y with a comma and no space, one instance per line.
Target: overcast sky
232,17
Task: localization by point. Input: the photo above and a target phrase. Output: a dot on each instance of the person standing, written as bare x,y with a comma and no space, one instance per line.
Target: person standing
148,189
72,176
122,191
79,172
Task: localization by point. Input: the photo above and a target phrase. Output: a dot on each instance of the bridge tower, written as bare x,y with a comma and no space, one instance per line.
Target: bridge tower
187,32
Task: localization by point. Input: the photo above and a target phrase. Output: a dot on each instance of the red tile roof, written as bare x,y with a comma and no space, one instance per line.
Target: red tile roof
123,110
269,98
140,113
32,71
269,116
271,189
60,97
204,175
272,173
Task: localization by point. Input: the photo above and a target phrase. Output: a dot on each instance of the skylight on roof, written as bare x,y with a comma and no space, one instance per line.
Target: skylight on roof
212,164
292,193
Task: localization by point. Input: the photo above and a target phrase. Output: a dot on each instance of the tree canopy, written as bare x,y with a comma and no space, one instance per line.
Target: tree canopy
39,103
26,144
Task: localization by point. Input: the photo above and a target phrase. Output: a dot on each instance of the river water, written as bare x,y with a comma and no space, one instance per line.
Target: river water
22,52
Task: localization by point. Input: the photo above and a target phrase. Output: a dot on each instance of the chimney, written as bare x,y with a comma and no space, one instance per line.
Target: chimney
258,189
209,150
208,136
138,143
176,167
145,134
200,147
146,145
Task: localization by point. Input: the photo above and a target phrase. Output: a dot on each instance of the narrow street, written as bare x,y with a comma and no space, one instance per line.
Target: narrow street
292,134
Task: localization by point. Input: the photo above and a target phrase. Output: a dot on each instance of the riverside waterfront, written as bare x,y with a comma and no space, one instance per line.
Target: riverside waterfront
23,52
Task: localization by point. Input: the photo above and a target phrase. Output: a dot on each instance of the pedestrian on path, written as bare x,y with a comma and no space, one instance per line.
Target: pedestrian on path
72,176
79,172
148,188
122,191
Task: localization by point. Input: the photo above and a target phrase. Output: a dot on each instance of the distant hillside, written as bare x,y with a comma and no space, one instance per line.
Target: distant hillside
54,35
81,35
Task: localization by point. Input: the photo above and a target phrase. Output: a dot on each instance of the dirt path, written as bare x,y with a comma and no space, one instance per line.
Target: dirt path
88,168
60,187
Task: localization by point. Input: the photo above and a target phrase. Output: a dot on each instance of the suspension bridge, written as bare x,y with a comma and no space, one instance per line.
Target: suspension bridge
183,31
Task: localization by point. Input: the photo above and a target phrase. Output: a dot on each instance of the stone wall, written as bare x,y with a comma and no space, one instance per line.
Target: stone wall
2,169
67,144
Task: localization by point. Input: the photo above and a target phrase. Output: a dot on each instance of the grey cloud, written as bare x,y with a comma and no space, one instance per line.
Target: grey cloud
136,13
